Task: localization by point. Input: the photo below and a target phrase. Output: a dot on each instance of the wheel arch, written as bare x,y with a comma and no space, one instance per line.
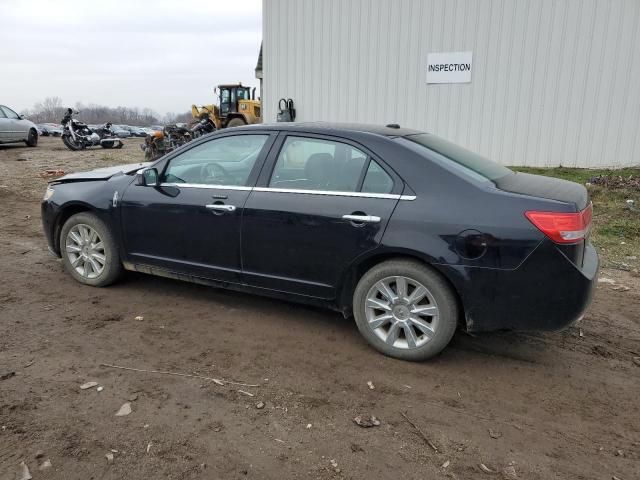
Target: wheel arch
358,268
66,212
33,130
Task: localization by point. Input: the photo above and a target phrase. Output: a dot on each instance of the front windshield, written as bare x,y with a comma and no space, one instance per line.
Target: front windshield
461,156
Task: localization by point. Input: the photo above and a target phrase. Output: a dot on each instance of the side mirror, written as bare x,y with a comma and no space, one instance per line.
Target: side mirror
147,177
21,117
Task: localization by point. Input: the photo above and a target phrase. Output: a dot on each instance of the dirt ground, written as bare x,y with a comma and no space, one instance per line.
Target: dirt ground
560,405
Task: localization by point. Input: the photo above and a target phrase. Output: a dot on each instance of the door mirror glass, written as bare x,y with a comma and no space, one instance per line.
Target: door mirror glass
148,177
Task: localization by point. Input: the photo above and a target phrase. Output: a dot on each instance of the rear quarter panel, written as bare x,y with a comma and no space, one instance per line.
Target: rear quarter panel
436,225
449,206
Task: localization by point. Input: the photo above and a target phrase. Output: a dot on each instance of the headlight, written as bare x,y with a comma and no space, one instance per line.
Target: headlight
48,193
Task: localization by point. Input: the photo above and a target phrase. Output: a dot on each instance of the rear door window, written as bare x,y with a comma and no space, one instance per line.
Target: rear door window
317,164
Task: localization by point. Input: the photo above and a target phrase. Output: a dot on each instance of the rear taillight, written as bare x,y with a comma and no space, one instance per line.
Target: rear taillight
563,227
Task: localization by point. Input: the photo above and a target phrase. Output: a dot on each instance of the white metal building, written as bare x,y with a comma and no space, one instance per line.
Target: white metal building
552,82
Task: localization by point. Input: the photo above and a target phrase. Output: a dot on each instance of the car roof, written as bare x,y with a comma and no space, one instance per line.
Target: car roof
331,127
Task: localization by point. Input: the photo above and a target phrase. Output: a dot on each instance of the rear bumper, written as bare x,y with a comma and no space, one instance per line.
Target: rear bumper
546,292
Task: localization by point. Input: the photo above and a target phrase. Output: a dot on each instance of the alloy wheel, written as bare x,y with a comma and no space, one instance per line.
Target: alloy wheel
401,312
85,251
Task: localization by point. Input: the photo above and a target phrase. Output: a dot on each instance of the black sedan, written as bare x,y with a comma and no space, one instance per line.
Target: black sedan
412,235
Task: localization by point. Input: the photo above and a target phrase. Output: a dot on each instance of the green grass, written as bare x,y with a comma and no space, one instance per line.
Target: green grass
579,175
616,229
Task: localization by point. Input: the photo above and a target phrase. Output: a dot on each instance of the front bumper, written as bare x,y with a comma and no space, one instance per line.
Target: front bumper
546,292
49,212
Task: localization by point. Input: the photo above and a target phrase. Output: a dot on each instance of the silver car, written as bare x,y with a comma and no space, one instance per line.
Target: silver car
15,128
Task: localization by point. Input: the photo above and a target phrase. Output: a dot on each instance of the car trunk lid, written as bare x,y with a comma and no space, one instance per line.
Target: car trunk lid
545,187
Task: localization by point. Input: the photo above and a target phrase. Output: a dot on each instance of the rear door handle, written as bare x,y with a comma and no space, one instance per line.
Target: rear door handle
221,208
362,218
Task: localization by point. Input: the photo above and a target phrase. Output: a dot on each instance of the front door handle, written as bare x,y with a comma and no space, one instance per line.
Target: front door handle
362,218
221,207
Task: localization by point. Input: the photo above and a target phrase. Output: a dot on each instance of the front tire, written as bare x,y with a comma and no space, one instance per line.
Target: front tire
89,251
70,144
235,122
32,138
405,310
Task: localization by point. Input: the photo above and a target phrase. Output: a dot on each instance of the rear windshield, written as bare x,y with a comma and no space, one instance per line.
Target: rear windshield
463,157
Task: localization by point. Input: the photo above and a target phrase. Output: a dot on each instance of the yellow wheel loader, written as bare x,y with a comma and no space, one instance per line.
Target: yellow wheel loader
237,107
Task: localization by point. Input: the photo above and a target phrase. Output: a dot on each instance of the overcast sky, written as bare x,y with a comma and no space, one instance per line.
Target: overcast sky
160,54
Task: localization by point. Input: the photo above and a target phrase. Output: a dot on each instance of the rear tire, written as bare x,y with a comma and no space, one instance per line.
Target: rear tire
235,122
89,251
417,316
32,139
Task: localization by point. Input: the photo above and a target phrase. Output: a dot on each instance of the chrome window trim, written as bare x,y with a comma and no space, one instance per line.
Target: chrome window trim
204,185
388,196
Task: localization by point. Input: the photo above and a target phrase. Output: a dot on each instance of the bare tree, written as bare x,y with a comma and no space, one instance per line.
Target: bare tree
51,109
172,117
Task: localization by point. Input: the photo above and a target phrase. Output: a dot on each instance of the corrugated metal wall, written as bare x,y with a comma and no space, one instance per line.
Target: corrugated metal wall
555,82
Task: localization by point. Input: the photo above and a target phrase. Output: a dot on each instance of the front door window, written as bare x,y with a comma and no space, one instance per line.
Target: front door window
222,161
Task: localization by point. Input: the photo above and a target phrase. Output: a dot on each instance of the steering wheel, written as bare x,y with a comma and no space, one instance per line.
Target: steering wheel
213,173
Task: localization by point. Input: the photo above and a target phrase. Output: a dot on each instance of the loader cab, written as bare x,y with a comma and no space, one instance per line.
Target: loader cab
229,97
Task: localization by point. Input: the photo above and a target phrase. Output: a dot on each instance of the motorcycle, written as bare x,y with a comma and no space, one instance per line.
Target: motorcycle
203,126
156,144
77,135
177,136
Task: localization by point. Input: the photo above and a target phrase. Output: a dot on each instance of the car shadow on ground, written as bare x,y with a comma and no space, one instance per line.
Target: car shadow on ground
13,146
520,347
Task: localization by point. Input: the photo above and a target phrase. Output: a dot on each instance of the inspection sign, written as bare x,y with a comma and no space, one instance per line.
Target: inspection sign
449,67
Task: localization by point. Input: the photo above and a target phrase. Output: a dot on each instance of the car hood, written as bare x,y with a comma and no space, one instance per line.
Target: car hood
102,173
